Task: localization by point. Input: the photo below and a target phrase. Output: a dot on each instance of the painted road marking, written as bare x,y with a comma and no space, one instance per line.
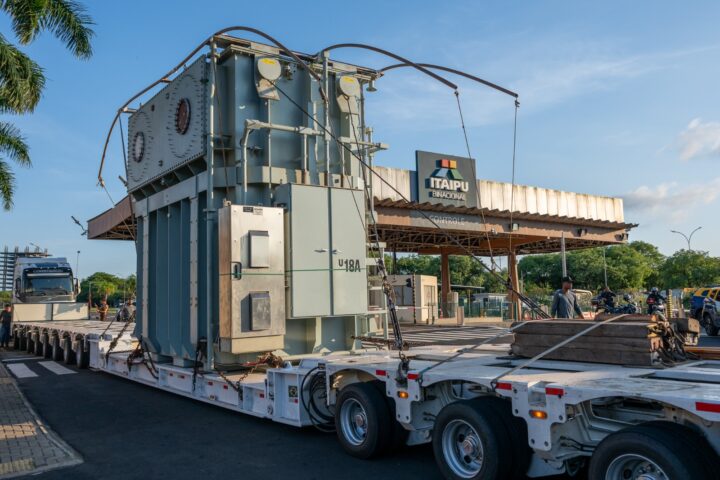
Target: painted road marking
20,370
56,368
21,359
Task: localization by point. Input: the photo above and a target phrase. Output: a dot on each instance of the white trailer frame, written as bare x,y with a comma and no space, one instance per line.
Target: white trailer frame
578,401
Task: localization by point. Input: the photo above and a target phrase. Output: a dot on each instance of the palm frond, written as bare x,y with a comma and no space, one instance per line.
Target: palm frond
7,185
21,80
66,19
13,144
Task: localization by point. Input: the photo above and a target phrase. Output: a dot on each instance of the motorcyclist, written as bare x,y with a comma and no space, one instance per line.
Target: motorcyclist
654,299
607,296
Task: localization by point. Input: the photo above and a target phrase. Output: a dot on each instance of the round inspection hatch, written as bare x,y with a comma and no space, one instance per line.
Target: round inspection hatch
138,147
182,116
349,86
269,68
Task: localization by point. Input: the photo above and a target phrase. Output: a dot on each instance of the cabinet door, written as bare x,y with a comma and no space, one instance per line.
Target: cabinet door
348,252
310,252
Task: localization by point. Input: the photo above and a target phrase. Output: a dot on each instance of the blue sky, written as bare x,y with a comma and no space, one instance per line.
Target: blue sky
618,98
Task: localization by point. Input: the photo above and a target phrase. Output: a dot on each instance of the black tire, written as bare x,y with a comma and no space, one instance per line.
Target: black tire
23,341
82,357
16,340
362,402
399,435
47,348
57,350
518,433
68,353
30,344
38,347
475,425
671,450
709,326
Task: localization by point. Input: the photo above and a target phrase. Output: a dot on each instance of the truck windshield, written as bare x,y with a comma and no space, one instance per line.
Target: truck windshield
48,285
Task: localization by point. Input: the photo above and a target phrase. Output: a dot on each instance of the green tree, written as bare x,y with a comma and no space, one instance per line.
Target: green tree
22,80
689,268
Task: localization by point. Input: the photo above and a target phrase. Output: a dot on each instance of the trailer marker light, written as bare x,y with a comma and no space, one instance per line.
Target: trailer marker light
225,387
402,394
538,414
554,391
413,376
503,386
210,383
381,373
707,407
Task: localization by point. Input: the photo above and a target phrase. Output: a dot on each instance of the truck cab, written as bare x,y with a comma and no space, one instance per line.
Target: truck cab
44,280
704,306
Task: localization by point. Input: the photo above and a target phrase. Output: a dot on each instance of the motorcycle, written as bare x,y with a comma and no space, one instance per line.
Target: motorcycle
629,307
655,303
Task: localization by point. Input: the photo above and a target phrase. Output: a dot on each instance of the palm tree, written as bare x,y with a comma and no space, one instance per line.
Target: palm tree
22,80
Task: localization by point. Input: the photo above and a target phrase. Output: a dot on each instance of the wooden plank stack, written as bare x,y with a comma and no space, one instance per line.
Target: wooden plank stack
631,340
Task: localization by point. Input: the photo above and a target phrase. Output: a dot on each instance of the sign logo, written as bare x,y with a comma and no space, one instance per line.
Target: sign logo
447,182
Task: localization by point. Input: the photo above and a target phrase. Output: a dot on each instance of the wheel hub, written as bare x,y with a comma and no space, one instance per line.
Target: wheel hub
634,467
463,449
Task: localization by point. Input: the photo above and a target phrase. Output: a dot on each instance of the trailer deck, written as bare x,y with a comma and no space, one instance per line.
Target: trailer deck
558,400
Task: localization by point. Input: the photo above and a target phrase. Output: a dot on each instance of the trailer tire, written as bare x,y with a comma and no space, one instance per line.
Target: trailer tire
57,350
517,431
363,421
68,353
47,350
399,435
16,340
82,356
22,341
622,454
30,344
37,347
471,442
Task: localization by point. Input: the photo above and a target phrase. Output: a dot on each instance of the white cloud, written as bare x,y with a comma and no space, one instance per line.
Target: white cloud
671,200
700,140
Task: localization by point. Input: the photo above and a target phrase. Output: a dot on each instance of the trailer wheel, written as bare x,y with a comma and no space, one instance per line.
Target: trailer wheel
38,347
68,353
22,341
517,431
363,421
16,340
82,356
57,350
30,344
648,452
471,442
47,348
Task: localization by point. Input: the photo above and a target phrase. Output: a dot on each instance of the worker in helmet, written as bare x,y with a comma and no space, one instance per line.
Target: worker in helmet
655,300
565,304
608,297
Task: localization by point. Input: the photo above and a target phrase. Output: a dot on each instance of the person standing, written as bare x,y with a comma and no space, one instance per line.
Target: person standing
103,310
565,304
5,326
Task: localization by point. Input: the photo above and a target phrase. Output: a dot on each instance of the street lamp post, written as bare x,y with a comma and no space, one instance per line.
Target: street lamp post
687,237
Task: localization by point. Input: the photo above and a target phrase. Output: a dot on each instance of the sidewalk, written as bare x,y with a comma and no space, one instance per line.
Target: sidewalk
27,446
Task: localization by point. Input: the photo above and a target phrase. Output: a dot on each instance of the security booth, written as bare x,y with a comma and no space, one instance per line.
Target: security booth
416,297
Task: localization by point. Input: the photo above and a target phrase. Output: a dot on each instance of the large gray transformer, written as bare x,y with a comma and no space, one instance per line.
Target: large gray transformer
250,216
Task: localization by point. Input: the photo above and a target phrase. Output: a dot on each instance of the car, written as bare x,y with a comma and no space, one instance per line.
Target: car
705,307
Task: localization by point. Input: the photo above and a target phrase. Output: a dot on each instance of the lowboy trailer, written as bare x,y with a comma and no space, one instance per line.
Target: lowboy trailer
551,418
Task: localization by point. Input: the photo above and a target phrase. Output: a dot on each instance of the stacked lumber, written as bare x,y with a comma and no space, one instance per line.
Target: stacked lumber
631,340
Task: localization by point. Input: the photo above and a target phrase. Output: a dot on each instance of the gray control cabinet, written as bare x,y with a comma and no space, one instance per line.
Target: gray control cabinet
252,282
326,250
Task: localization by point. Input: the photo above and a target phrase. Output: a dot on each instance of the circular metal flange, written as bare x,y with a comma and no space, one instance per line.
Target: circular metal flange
182,116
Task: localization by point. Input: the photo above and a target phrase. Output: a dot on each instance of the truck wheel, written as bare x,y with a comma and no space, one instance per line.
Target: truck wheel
30,344
23,341
57,350
646,451
517,431
68,353
82,357
16,340
363,421
471,442
38,347
709,325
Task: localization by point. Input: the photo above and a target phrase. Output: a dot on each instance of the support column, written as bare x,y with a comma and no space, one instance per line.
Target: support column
514,281
444,280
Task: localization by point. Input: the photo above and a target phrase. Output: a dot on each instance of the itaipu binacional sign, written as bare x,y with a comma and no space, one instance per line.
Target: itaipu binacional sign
446,179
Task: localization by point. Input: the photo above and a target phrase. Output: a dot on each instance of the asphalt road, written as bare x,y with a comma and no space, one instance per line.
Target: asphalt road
125,430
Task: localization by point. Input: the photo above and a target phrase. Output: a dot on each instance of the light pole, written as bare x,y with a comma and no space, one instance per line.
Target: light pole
77,265
687,237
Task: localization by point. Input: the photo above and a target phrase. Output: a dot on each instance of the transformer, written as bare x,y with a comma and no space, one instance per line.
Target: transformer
252,220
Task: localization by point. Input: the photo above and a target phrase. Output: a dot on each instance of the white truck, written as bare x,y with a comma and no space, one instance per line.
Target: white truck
45,289
550,418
